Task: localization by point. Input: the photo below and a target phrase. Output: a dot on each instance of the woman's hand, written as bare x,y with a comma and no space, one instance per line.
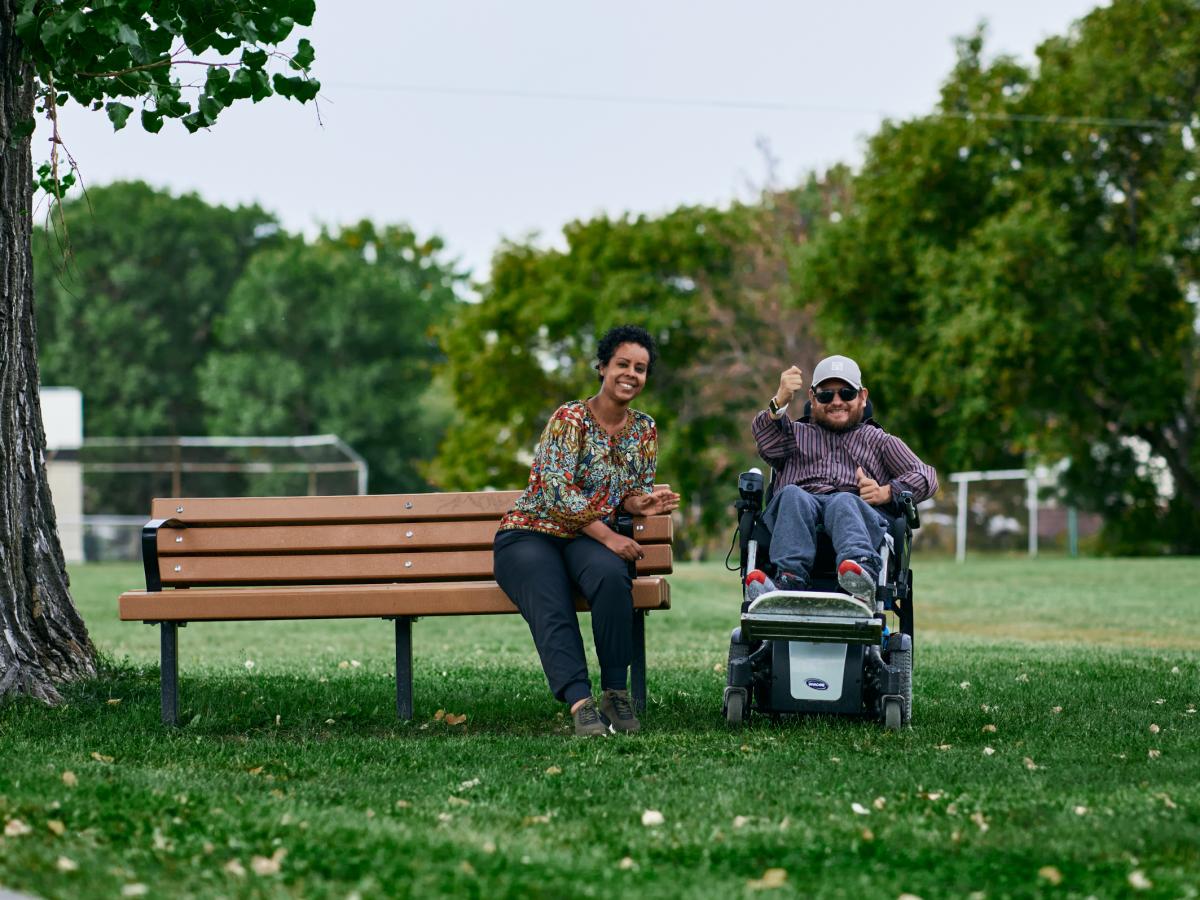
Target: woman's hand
626,548
662,501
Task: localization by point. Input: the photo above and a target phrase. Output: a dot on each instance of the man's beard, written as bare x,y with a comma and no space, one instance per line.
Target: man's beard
821,418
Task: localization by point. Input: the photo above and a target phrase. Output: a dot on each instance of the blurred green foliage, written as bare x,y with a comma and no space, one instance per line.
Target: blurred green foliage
1021,287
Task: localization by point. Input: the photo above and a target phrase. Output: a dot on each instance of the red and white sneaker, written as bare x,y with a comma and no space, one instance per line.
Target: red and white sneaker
757,584
857,580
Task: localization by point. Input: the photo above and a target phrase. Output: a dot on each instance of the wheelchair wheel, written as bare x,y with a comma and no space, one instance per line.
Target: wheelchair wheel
735,707
892,711
902,660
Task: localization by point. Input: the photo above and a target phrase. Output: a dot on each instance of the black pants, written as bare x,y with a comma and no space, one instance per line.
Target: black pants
540,573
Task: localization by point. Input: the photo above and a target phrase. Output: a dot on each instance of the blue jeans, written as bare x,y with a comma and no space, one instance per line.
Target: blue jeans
855,527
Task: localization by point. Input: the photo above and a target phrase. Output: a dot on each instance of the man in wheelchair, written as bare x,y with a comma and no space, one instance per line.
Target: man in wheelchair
840,513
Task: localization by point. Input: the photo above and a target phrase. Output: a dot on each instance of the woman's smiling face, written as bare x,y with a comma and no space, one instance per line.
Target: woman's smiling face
625,374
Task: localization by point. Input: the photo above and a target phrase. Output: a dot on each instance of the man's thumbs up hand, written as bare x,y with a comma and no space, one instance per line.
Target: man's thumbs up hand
871,491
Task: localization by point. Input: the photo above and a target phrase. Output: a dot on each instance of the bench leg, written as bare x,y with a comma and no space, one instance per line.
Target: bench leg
169,671
404,697
637,671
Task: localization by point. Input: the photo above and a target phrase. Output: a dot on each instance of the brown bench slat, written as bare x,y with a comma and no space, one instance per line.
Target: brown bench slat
354,567
351,601
390,536
347,508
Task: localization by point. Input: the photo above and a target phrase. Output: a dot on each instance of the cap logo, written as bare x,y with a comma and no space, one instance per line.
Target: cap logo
837,366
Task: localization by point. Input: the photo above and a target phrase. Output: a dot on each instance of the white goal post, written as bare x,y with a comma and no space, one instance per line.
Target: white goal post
1032,478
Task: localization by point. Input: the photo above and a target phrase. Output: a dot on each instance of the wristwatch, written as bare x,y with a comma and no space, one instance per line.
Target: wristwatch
775,408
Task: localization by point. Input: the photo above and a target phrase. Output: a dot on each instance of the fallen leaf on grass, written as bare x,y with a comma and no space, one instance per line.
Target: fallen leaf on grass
1160,701
354,664
467,785
458,801
879,802
1167,801
137,889
717,668
455,719
69,779
942,746
868,834
1154,754
1029,764
909,897
1050,874
536,820
553,770
16,828
859,810
988,729
1174,670
249,664
1081,810
370,813
1139,882
233,867
330,722
402,804
980,819
57,827
115,701
257,770
652,817
988,751
1191,710
1154,729
1023,677
439,715
344,664
741,821
1056,709
445,818
66,864
930,795
263,865
100,757
626,864
771,879
489,847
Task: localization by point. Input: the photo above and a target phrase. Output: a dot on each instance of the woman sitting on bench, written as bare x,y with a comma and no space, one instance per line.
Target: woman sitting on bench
596,457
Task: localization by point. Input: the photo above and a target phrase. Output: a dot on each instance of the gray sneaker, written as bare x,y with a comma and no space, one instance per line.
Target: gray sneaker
615,706
857,580
587,720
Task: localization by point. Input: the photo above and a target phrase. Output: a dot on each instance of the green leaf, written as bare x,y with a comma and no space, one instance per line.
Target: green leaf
118,114
152,121
304,55
299,88
254,58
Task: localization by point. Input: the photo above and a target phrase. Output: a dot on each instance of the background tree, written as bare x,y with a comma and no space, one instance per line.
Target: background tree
337,336
1018,272
99,56
715,287
127,315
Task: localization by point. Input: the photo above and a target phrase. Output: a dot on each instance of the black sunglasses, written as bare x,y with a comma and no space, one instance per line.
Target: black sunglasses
826,395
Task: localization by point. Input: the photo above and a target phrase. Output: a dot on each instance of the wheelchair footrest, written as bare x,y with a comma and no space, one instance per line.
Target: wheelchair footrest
813,616
816,629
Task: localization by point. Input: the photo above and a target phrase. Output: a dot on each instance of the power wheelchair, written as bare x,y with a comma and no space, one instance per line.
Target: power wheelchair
821,650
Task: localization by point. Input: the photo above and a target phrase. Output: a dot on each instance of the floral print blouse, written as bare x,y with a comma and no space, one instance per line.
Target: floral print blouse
581,474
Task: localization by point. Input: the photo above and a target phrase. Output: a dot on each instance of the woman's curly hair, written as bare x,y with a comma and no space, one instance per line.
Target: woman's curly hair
625,334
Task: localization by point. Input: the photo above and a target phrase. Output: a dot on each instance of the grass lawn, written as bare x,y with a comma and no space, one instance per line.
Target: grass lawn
1055,752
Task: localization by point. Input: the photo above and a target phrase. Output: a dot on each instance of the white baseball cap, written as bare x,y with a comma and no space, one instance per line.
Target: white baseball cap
840,367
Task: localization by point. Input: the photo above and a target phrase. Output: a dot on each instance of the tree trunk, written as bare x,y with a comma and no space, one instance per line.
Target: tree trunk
44,640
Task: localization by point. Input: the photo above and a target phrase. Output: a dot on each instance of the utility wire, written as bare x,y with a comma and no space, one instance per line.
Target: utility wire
762,105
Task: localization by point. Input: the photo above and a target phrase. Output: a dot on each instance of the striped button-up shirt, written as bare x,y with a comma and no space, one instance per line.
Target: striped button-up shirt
823,461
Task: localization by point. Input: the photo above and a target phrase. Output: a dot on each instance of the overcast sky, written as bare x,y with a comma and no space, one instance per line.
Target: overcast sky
486,120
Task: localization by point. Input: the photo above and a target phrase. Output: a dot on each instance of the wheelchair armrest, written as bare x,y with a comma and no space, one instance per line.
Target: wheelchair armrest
911,516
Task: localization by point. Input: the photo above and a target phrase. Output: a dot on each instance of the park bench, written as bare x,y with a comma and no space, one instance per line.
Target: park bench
398,557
